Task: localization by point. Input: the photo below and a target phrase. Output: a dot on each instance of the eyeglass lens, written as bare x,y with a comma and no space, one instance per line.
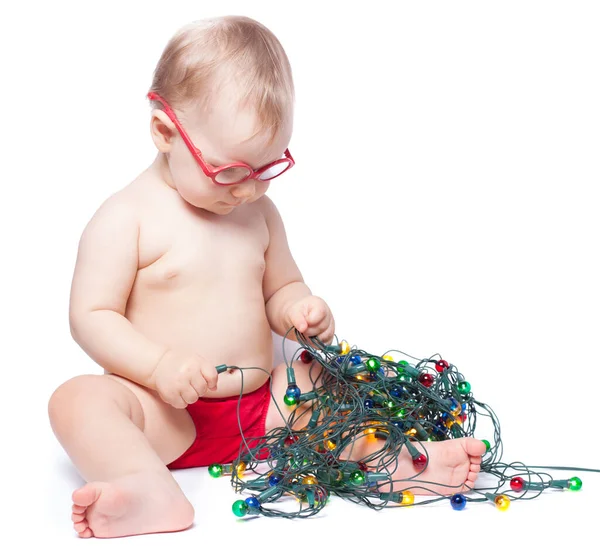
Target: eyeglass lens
232,175
236,174
273,171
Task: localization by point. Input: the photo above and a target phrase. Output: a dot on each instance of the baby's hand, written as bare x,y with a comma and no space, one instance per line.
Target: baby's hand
181,378
312,317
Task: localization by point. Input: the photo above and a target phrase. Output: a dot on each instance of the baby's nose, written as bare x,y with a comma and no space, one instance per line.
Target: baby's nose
244,190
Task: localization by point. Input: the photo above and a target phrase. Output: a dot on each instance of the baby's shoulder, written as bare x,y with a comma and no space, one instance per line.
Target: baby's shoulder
270,213
266,207
131,201
118,207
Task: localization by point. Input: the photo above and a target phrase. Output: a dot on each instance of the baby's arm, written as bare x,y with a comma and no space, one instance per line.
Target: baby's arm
107,262
283,284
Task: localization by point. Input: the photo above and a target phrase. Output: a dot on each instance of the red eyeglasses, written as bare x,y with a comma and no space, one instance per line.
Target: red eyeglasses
232,173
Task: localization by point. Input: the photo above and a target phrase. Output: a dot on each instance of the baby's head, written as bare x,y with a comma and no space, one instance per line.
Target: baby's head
226,84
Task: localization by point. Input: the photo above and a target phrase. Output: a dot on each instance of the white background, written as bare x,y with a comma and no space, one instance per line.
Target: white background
444,200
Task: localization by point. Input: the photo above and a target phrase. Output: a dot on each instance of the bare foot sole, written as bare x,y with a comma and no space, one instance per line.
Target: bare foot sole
453,467
145,502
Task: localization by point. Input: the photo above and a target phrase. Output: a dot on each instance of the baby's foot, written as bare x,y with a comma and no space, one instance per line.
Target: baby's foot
454,463
145,502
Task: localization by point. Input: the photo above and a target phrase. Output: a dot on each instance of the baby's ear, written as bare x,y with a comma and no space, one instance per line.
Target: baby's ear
162,130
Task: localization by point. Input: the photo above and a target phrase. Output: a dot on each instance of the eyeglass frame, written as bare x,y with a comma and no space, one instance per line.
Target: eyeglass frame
211,171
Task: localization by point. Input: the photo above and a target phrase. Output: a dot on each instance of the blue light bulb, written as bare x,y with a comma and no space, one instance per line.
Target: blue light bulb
458,502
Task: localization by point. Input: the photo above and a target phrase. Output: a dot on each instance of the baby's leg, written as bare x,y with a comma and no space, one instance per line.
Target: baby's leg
100,423
453,464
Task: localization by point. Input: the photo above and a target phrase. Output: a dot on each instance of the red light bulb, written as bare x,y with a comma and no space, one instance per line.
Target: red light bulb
517,484
440,365
420,461
426,379
306,357
290,440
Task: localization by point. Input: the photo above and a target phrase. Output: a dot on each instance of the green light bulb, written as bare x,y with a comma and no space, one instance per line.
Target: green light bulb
464,387
574,484
290,401
215,470
240,508
487,445
373,364
357,478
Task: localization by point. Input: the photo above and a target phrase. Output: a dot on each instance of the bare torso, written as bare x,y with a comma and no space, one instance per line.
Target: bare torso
199,282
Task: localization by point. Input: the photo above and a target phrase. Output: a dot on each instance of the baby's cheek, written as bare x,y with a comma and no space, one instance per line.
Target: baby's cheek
260,191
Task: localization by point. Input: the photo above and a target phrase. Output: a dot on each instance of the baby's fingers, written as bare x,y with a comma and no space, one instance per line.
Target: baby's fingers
211,376
176,401
199,385
317,329
190,394
327,335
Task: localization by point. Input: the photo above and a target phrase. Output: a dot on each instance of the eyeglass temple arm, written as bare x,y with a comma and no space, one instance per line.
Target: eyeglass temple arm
175,120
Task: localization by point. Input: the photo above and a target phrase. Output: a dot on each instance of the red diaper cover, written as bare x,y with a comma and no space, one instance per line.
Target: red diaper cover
218,434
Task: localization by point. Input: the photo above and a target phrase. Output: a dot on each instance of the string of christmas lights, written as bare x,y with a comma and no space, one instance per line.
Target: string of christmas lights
358,395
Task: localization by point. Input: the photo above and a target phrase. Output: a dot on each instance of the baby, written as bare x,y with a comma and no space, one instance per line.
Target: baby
187,268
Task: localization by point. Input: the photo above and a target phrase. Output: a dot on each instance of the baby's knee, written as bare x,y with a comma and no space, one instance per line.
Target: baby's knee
84,391
64,393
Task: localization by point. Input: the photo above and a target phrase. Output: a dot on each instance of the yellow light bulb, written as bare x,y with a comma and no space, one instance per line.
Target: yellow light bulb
411,433
370,431
449,423
241,469
408,498
310,479
388,358
502,502
345,348
330,445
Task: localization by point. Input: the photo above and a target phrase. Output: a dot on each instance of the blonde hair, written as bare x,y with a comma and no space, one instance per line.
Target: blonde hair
207,55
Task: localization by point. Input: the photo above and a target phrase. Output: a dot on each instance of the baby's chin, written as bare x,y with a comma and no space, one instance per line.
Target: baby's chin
221,208
217,207
224,207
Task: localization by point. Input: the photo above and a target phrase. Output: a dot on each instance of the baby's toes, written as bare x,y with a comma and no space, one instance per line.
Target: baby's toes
474,447
77,517
83,529
86,534
81,526
472,476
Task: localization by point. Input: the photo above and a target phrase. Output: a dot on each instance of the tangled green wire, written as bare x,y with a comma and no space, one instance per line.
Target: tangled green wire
359,395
